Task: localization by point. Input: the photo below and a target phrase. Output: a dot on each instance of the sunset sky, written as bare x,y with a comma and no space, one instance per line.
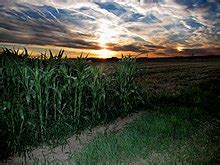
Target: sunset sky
149,28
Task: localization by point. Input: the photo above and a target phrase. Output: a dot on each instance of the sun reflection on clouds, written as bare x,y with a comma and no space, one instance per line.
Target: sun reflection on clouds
105,32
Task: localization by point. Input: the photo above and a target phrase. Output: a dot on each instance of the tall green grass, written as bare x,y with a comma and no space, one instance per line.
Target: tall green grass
165,135
126,89
48,98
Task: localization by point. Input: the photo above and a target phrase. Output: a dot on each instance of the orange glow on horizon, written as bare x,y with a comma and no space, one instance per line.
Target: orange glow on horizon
104,53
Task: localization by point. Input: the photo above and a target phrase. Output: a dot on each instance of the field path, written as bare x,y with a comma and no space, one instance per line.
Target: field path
63,153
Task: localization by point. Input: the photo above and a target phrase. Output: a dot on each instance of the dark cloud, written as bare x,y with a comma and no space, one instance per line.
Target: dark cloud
202,51
190,52
130,47
30,26
112,7
193,4
154,46
135,48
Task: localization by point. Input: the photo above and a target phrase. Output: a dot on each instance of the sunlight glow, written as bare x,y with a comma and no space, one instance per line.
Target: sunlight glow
105,53
106,32
180,48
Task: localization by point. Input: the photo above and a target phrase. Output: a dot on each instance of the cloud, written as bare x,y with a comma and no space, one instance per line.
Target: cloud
130,47
141,26
201,51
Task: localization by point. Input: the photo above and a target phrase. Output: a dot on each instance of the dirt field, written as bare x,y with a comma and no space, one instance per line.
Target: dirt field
173,76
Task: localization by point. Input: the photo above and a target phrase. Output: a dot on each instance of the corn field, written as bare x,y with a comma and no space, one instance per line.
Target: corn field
45,99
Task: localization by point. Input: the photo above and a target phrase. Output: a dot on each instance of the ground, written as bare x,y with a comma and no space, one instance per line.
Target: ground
164,135
174,128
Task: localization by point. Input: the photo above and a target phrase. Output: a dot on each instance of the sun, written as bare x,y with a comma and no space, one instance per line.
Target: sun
180,48
105,53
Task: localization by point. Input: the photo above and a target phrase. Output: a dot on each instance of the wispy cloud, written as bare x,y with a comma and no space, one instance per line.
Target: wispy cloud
144,26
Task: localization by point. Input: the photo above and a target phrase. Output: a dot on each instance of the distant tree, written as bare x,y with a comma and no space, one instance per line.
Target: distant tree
113,59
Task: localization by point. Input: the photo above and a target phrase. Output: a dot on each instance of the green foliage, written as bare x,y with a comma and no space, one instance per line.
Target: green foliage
126,90
167,135
50,97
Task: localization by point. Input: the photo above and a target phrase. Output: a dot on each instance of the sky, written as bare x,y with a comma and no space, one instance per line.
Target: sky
104,29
